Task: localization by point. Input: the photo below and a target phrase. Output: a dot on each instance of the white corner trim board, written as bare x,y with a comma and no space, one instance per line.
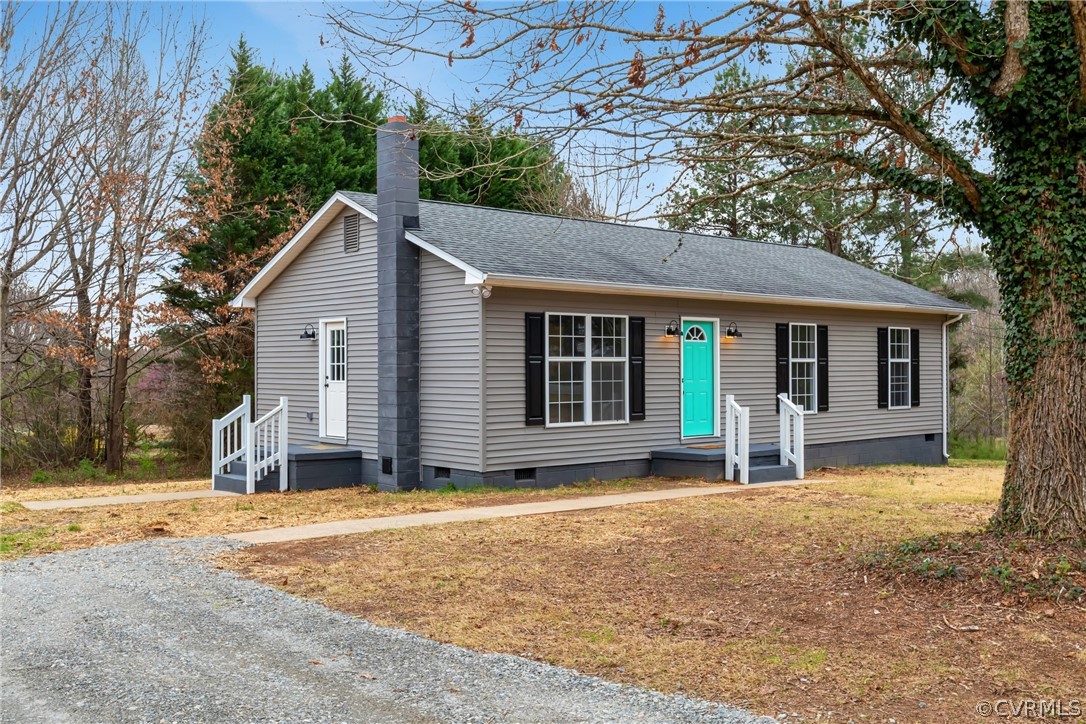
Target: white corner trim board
946,383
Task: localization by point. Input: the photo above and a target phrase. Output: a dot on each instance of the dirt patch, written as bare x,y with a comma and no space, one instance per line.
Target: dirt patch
758,599
987,563
27,532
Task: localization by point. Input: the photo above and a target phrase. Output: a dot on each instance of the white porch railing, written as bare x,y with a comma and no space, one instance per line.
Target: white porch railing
736,440
262,445
791,434
267,447
229,438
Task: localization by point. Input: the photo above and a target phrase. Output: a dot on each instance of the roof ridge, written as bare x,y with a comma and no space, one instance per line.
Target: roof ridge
622,224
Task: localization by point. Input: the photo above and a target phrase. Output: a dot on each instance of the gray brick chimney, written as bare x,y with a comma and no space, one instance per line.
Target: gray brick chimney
397,307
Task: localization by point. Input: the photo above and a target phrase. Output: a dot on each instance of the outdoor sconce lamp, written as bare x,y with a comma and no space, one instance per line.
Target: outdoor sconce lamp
732,331
672,329
308,333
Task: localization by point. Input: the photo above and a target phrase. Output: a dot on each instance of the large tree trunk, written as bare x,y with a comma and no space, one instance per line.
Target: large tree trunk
84,429
84,435
115,429
1044,492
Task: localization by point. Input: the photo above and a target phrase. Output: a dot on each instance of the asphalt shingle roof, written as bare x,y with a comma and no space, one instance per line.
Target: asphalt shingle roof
501,242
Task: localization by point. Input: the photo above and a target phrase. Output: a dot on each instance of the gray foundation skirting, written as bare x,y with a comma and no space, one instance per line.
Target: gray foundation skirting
915,449
319,469
325,469
435,477
907,449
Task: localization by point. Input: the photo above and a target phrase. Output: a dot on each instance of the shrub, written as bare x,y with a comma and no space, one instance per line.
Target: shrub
978,448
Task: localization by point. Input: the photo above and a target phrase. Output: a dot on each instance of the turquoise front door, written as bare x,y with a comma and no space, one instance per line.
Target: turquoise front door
699,379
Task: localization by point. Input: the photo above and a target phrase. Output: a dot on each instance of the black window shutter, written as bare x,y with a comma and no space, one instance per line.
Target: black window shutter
822,344
782,360
534,377
636,353
914,366
884,366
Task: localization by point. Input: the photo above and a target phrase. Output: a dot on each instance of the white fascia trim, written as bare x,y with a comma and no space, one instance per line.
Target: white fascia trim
573,285
247,296
471,274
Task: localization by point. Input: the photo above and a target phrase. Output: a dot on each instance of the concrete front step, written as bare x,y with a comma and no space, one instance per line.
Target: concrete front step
708,462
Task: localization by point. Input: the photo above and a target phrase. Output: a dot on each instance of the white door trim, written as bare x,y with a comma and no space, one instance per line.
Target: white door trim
321,395
715,321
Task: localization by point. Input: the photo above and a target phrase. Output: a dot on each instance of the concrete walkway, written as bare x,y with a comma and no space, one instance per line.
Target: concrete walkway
565,505
66,503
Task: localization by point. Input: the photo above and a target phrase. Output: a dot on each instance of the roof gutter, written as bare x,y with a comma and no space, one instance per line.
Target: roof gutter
946,385
573,285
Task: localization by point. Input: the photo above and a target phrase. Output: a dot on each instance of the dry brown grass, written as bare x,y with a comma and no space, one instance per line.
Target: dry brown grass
27,532
755,598
20,493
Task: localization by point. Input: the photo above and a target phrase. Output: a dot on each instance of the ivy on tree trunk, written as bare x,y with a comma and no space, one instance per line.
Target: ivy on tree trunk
1031,208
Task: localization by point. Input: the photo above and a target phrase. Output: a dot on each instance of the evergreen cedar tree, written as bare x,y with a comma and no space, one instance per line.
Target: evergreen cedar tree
274,148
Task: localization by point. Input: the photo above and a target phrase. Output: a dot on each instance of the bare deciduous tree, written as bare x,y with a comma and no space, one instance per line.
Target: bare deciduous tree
38,142
99,109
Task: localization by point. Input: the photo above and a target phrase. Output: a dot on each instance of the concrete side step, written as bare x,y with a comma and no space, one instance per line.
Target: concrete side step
771,473
238,468
234,482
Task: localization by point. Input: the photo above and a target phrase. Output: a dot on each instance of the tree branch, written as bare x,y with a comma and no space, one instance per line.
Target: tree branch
1016,29
953,167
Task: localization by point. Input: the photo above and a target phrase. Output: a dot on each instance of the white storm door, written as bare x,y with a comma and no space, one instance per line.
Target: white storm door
333,414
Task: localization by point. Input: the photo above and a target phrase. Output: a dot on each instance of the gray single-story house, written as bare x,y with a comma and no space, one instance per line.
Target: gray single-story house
427,343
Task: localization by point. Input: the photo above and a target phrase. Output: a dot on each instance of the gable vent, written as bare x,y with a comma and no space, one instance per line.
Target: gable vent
350,233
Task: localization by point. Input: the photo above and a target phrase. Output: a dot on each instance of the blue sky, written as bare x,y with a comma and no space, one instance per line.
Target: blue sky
286,34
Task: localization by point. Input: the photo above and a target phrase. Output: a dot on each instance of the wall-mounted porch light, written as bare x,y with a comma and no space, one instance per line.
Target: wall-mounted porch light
308,333
672,329
732,331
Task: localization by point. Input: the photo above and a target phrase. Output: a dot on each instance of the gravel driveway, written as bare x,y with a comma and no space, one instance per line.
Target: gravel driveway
152,632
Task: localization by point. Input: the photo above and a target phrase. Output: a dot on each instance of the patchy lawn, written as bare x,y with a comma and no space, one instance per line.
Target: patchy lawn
765,598
28,532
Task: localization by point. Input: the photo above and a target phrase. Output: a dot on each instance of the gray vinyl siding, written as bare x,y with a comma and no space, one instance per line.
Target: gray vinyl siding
747,367
322,283
325,283
449,376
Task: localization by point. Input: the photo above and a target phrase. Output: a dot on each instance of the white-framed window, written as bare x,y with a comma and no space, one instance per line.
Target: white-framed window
587,369
802,358
900,368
